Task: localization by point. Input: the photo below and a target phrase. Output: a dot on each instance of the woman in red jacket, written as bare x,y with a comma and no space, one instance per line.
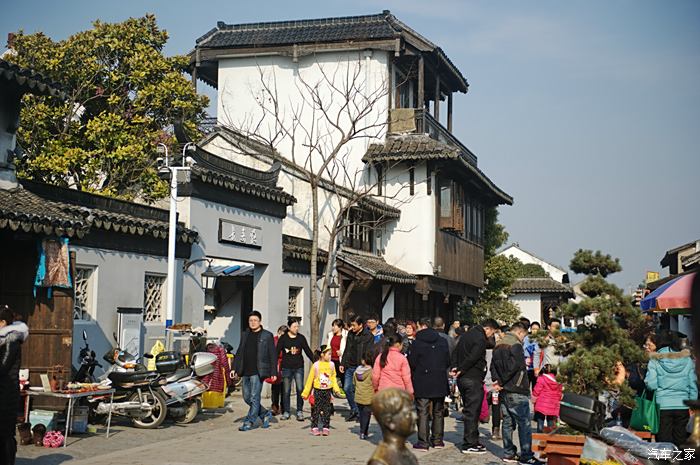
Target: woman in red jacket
547,393
391,368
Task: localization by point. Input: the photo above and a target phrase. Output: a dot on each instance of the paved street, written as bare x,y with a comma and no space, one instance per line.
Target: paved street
215,440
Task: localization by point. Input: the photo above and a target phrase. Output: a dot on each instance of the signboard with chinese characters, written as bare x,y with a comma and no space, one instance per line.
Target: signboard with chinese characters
652,276
232,232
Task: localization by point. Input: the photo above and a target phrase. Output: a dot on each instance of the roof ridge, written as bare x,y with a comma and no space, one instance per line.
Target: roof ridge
222,26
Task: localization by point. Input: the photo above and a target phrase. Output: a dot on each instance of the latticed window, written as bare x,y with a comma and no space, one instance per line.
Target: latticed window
153,297
82,303
294,301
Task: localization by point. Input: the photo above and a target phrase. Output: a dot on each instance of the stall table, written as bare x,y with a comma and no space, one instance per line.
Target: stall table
71,401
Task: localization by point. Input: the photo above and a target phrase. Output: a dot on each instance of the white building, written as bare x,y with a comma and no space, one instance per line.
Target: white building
538,298
555,272
412,248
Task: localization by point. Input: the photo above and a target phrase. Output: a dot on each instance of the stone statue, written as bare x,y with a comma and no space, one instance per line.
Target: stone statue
393,408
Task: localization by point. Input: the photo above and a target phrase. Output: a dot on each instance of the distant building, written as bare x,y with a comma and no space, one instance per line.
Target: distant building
539,299
679,261
557,273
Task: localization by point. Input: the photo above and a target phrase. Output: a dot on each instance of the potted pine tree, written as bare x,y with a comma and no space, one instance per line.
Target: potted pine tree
595,355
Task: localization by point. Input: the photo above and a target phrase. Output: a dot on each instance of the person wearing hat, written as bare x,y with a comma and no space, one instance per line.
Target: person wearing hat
255,360
322,379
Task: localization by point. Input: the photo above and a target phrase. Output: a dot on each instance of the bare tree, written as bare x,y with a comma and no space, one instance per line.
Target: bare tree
316,126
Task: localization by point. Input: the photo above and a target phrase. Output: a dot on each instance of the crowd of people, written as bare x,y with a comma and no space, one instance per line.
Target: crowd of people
505,374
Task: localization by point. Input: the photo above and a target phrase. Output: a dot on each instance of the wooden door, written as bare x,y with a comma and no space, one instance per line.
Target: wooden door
50,321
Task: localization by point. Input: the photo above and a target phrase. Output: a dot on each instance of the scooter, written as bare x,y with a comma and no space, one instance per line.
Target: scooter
184,386
138,393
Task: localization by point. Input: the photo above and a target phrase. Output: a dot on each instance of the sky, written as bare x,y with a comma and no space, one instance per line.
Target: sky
586,112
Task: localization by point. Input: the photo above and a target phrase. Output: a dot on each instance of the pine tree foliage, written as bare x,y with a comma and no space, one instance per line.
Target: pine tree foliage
602,344
589,262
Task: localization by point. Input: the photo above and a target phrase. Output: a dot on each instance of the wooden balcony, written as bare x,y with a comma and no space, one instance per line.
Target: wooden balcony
421,121
458,259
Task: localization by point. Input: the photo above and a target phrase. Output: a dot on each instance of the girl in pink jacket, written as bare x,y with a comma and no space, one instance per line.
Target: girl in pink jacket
547,393
391,368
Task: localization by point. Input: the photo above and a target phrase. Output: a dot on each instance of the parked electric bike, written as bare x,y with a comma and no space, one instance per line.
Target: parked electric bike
138,392
88,362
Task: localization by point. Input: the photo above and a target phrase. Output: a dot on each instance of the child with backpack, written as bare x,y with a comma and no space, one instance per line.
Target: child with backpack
548,394
322,380
364,392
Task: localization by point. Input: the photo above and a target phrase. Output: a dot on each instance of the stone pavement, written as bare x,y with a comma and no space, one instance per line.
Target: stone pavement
214,439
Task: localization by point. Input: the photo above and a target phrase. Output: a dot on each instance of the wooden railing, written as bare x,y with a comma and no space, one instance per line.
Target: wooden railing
421,121
458,259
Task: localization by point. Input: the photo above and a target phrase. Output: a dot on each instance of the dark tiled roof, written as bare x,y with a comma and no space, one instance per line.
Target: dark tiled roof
30,81
540,285
233,176
236,139
666,261
375,266
296,247
236,184
45,209
408,147
380,26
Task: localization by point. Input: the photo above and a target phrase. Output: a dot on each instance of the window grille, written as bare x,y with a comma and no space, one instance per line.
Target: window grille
294,301
82,302
153,299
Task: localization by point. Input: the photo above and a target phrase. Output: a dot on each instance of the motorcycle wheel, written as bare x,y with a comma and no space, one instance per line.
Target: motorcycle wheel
158,410
191,411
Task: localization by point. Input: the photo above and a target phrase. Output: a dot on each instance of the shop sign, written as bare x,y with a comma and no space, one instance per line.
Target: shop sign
232,232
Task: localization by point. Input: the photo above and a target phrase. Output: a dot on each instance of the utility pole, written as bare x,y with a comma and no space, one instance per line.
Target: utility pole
172,229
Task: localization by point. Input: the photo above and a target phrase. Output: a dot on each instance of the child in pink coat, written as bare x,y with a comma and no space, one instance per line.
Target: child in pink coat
547,394
391,368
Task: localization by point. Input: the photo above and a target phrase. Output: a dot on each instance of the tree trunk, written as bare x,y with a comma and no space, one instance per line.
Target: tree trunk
313,278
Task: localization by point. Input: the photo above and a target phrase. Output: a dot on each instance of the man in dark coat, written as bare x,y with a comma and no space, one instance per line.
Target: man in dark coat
509,374
469,366
255,360
358,342
430,361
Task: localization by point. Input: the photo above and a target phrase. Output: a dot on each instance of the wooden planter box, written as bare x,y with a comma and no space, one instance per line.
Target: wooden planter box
559,449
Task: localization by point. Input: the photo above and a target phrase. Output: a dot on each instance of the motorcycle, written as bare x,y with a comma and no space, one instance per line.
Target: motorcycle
88,362
138,392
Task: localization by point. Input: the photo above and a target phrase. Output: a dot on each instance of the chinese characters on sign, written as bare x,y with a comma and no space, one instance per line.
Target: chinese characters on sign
668,454
240,234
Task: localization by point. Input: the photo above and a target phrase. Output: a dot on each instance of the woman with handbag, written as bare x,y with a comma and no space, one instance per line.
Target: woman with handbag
276,385
671,373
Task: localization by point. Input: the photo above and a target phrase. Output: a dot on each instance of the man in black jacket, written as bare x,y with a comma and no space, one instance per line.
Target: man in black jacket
509,374
255,360
358,341
469,366
430,360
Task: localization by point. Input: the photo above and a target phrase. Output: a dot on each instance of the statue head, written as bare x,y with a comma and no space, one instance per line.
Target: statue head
393,408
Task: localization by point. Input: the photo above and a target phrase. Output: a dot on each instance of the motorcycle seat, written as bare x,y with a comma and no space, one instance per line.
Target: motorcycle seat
133,377
179,374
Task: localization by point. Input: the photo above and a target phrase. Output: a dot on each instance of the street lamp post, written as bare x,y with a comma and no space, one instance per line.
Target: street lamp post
172,225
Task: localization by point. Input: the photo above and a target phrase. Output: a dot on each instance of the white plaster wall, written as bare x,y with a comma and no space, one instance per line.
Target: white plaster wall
298,220
118,281
556,273
409,242
241,99
529,304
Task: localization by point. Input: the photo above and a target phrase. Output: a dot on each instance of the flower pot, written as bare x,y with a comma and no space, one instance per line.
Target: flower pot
560,449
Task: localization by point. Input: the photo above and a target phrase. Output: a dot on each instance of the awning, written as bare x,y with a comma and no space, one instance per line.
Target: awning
230,268
675,294
235,270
